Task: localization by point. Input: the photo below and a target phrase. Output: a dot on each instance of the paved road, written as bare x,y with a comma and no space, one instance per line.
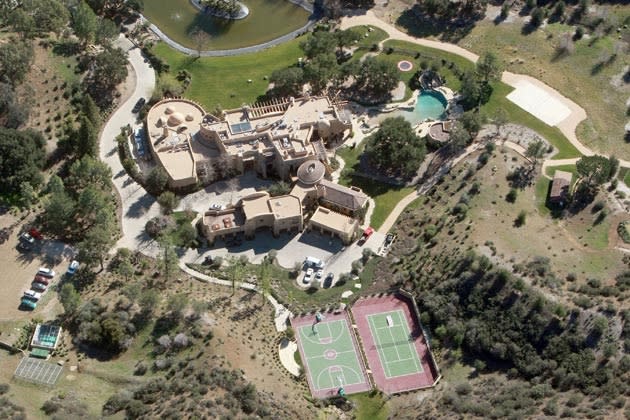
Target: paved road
137,204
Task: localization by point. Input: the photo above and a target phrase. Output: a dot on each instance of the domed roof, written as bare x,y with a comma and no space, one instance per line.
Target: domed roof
311,172
169,110
175,119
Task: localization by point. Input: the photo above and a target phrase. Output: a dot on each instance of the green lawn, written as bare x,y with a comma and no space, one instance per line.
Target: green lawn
551,170
224,80
370,406
498,99
374,37
596,88
385,196
519,116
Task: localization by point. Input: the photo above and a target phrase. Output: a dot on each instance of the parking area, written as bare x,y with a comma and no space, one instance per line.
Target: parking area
20,267
294,248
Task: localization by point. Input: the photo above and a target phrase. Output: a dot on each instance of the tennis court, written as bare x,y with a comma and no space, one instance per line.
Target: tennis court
330,355
395,347
394,344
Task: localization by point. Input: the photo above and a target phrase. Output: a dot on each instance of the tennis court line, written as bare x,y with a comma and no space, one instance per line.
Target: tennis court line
414,351
384,362
377,341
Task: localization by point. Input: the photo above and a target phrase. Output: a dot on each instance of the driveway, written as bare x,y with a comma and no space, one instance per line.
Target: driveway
137,205
292,248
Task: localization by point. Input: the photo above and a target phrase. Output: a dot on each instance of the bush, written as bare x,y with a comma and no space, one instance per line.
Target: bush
168,202
520,219
511,196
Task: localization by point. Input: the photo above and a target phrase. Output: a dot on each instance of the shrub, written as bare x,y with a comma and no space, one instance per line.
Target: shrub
168,201
520,219
511,196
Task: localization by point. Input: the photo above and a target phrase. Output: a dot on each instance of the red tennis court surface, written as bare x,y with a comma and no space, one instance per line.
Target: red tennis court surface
366,308
331,356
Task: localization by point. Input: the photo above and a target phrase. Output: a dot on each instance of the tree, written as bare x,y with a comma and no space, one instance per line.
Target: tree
535,150
176,304
28,195
123,266
346,38
87,137
593,170
84,22
376,78
472,122
167,260
106,31
156,180
500,118
488,68
614,167
537,17
168,201
39,17
22,156
288,81
90,110
471,90
108,69
396,147
89,172
319,71
148,300
201,39
15,61
458,138
234,272
279,188
69,298
321,42
95,245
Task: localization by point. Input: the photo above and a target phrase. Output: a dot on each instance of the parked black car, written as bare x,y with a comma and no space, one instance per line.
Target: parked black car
138,106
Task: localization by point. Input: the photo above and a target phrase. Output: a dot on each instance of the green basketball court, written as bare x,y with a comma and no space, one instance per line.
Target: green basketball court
331,357
394,344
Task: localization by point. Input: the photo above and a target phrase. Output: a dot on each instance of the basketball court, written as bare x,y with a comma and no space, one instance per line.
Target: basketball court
330,355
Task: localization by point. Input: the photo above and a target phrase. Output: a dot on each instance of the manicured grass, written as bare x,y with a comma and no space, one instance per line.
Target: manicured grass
373,37
498,99
518,116
385,196
223,81
551,170
370,406
407,51
576,75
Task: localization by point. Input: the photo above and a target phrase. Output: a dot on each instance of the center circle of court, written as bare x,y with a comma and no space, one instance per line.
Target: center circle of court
405,65
330,354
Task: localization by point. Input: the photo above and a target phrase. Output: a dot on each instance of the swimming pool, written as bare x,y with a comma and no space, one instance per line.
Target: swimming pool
431,104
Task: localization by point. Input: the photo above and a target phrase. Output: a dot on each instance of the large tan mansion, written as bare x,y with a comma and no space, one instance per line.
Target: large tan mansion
285,137
276,136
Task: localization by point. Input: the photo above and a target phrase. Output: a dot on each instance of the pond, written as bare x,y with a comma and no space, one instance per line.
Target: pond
267,20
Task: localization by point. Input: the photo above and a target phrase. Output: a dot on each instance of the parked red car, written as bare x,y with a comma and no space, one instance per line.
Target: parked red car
35,234
42,279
